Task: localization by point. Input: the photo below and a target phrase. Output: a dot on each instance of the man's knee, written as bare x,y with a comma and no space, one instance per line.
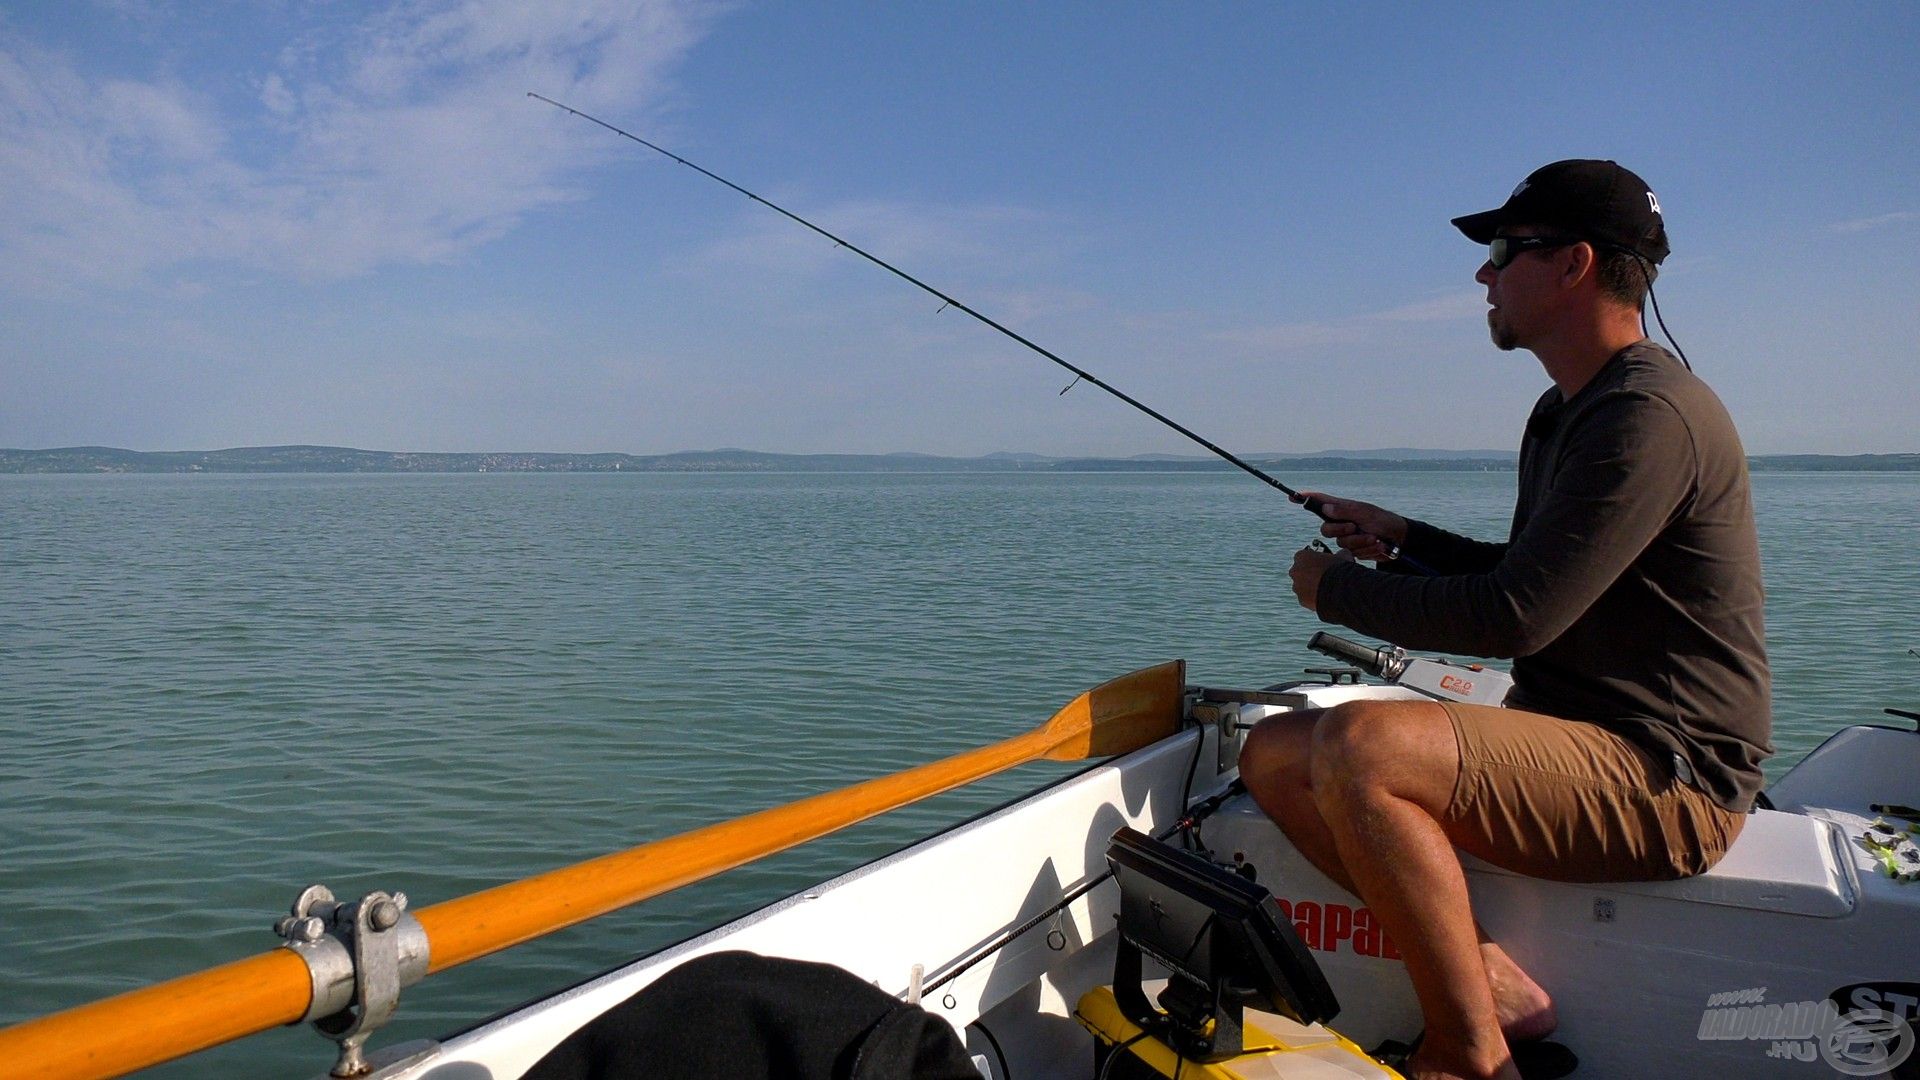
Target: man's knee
1276,767
1276,753
1356,738
1403,748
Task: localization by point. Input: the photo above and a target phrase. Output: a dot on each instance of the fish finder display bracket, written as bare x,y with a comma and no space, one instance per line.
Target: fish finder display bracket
1223,941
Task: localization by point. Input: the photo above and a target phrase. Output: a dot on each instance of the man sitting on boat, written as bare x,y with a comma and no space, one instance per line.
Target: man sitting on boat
1628,592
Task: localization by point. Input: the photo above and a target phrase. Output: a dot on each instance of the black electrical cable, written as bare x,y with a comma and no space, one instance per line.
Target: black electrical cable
1006,1070
1316,506
1187,825
1187,822
1114,1055
1007,937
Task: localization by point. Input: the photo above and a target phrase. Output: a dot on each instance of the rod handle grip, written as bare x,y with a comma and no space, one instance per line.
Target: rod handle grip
1318,507
1372,661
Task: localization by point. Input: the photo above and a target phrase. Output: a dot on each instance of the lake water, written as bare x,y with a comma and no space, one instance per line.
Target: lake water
215,690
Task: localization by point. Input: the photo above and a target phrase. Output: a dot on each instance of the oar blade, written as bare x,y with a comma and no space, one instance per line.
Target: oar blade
1121,715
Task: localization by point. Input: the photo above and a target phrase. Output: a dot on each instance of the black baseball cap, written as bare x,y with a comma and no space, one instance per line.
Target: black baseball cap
1593,200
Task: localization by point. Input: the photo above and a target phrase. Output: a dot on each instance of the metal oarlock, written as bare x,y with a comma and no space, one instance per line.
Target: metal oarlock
360,953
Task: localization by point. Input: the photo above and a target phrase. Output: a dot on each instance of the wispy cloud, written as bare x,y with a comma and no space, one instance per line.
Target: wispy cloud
991,257
1458,305
1292,337
912,235
404,139
1898,217
1354,329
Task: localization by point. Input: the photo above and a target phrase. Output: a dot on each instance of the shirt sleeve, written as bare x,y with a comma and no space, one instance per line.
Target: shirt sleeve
1446,552
1623,474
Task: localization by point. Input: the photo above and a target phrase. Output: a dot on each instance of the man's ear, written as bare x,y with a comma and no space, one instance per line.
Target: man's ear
1581,260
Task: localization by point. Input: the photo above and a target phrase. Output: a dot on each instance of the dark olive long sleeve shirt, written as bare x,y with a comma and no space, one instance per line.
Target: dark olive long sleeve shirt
1629,589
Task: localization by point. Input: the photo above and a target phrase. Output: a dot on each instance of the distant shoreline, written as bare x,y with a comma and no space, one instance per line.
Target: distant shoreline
334,459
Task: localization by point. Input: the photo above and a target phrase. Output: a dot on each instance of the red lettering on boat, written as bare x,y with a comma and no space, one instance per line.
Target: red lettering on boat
1324,926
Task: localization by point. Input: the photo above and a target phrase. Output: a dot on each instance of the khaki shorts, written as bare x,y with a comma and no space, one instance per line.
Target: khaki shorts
1572,801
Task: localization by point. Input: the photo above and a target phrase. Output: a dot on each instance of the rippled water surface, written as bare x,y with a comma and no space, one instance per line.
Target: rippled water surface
215,690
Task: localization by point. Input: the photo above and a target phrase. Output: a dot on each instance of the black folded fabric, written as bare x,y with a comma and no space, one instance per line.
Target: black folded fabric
736,1014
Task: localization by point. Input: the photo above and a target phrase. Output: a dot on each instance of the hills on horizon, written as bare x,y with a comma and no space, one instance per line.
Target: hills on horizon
1390,453
338,459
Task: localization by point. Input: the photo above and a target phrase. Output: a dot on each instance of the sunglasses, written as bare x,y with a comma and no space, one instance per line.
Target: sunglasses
1504,249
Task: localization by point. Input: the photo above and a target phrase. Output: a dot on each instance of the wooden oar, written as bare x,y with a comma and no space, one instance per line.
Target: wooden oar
172,1019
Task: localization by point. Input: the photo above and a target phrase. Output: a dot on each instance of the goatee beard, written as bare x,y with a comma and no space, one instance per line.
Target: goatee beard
1503,336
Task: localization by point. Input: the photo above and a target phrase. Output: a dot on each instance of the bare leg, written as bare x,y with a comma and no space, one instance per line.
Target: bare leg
1277,768
1383,773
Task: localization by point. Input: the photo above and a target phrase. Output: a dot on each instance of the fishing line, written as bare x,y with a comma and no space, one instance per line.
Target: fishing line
1317,506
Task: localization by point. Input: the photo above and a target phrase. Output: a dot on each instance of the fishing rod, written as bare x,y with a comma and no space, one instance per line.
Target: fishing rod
1317,506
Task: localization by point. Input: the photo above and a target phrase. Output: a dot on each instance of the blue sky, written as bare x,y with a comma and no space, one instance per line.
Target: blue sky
240,224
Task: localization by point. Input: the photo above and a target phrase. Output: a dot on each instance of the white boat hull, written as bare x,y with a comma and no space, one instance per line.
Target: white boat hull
1649,979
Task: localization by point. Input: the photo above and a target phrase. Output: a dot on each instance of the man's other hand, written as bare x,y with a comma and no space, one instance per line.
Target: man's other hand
1363,530
1309,566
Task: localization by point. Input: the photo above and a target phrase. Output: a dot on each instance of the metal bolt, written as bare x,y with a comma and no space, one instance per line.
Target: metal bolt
303,928
384,916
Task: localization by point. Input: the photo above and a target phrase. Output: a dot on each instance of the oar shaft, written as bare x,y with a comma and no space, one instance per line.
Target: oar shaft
175,1018
161,1022
506,915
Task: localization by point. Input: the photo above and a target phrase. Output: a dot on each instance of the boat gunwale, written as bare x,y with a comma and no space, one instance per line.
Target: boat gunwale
457,1043
747,916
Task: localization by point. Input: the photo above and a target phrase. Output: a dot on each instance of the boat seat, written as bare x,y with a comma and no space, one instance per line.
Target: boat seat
1793,864
1788,863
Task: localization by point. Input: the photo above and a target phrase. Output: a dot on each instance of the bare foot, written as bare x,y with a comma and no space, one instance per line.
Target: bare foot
1419,1071
1524,1009
1437,1061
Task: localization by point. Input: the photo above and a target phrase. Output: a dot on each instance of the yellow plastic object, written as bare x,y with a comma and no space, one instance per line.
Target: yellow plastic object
1276,1048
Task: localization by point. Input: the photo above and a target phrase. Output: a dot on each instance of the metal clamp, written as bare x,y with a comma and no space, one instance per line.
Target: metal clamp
360,955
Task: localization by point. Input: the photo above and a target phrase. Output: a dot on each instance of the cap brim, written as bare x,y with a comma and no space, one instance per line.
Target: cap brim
1480,228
